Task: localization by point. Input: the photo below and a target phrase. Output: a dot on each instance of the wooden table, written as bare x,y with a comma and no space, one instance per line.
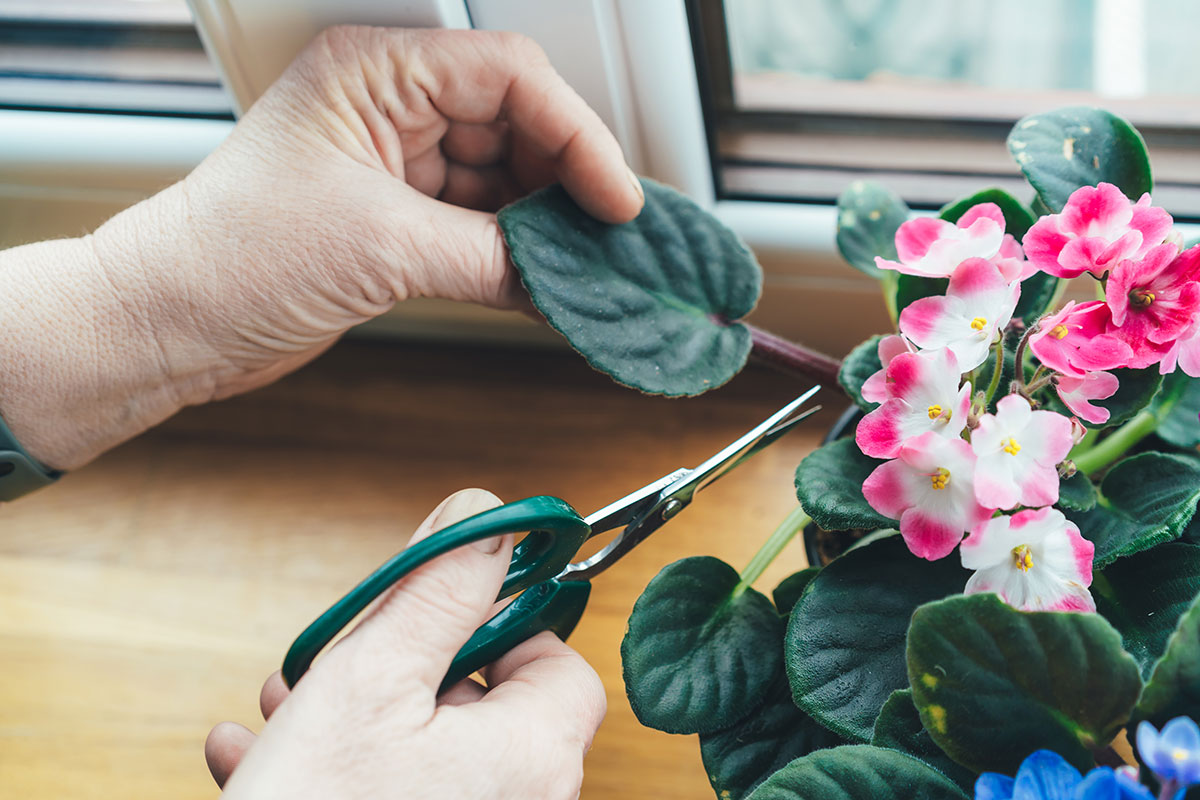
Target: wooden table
144,598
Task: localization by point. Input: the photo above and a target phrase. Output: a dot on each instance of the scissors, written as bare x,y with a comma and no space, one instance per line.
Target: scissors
554,589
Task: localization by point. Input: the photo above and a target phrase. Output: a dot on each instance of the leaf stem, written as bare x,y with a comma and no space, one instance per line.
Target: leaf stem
793,358
792,524
997,371
888,283
1019,360
1144,423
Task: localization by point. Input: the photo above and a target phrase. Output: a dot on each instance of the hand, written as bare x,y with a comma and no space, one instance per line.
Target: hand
366,721
364,176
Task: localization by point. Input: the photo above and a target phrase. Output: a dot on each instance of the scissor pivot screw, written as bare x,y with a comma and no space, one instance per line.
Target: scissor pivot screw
672,508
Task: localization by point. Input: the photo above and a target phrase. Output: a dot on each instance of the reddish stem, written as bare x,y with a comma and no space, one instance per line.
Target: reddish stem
794,359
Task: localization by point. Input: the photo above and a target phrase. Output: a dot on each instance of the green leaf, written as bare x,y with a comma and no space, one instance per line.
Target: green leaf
1144,595
829,484
1017,218
911,288
1148,499
654,302
1036,293
695,658
899,728
790,588
857,772
993,684
868,216
1076,493
738,759
1137,389
845,638
1060,151
861,363
1182,424
1174,686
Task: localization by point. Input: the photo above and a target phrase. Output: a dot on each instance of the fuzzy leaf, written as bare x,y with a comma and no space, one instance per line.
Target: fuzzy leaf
696,659
1182,424
1060,151
1076,493
845,638
740,758
1174,686
1036,293
653,303
829,484
861,363
857,772
868,216
993,684
899,728
1017,218
1144,595
911,288
1148,499
790,588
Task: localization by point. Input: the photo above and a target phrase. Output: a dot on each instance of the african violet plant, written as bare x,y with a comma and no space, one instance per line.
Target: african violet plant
1019,568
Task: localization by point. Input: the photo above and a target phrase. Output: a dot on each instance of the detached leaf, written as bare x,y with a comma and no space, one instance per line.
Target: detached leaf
1144,595
653,303
1017,218
899,728
1182,425
845,638
695,658
868,216
738,759
857,772
993,684
861,363
790,588
1174,686
829,484
1148,499
1060,151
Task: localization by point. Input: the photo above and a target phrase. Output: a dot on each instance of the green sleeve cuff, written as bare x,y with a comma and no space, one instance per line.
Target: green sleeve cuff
20,473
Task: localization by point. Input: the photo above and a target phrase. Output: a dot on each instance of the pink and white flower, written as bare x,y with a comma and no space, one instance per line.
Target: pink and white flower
1155,301
977,305
1036,560
1077,394
1076,341
1184,354
930,490
923,395
1097,229
1017,451
874,388
933,248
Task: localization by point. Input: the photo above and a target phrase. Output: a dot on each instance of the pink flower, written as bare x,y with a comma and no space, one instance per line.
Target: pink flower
976,307
1017,451
1097,229
923,395
929,488
1036,560
1076,341
1078,392
1184,354
933,247
874,388
1155,301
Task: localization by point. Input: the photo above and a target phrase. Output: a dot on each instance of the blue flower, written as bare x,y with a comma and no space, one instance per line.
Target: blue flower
1046,775
1173,754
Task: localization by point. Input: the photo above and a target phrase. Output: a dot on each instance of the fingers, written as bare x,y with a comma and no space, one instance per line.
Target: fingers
462,693
274,692
480,76
224,748
544,674
424,619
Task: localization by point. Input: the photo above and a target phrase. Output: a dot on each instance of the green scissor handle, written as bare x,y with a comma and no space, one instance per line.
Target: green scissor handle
556,534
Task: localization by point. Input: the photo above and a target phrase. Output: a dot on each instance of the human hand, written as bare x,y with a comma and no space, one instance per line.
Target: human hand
365,175
366,720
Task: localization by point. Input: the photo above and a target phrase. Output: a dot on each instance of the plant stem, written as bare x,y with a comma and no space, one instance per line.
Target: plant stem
1117,442
994,384
1019,359
1060,289
793,358
888,284
1168,789
792,524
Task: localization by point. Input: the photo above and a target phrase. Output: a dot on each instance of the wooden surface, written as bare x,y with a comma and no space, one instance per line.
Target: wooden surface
145,597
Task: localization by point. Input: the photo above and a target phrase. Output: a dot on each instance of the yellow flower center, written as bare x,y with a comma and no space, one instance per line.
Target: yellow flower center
940,478
1022,557
1059,331
936,411
978,324
1179,754
1141,297
1010,446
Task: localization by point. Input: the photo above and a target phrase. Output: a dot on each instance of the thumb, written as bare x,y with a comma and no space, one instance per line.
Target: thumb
431,613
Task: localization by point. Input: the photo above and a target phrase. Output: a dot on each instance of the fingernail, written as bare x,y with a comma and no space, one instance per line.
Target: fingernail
468,503
637,185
